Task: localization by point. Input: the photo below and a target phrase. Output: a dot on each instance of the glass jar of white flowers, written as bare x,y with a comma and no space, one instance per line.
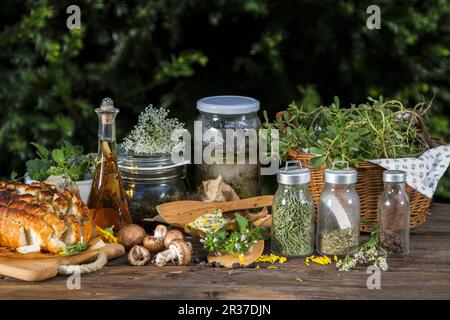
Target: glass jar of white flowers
150,177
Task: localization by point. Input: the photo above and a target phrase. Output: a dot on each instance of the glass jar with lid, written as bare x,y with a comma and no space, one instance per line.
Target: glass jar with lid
338,212
237,159
149,181
394,213
293,213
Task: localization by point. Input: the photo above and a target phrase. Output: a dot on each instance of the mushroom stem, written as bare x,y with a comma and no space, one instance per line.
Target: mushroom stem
170,254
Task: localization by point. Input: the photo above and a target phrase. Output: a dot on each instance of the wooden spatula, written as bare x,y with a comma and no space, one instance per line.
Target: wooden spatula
180,213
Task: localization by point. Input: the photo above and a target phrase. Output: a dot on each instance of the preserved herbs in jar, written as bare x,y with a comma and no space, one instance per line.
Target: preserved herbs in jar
293,213
238,116
338,213
394,213
150,181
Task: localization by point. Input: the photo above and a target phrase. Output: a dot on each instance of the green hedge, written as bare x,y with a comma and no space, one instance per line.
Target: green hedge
172,52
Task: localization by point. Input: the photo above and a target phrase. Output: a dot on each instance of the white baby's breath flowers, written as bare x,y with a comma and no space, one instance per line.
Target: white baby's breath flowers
152,134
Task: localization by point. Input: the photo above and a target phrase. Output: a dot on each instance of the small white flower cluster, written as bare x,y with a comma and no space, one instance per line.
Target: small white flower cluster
363,256
152,134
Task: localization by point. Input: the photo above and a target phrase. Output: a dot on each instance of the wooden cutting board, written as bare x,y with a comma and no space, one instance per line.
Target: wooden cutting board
38,267
227,260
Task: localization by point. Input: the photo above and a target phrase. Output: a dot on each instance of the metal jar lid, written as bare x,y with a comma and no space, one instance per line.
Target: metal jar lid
340,176
293,175
395,176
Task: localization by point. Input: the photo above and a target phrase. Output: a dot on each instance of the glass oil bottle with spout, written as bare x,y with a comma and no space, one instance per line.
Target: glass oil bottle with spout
107,199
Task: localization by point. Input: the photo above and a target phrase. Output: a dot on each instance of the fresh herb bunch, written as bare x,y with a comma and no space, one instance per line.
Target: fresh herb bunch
369,252
372,130
239,241
153,133
75,249
68,160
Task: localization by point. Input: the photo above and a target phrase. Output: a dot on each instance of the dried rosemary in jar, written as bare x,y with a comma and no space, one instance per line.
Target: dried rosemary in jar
293,207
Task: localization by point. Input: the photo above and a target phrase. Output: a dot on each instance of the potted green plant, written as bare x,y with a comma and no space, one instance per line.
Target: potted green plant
67,162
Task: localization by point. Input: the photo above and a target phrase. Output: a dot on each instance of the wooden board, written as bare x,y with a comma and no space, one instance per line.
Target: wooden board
38,267
227,260
180,213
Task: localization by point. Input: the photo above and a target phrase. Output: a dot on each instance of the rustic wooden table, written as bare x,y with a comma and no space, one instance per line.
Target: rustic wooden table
424,274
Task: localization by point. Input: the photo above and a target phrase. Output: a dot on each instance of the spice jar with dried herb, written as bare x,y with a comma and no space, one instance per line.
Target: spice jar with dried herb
293,213
394,213
338,212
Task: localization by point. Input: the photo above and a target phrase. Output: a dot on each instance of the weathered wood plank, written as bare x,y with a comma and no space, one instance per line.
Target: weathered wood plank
424,274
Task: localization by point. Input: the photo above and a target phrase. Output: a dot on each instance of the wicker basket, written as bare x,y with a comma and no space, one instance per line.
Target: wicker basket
369,187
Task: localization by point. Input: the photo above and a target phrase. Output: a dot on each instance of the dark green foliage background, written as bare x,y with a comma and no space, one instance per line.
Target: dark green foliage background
173,52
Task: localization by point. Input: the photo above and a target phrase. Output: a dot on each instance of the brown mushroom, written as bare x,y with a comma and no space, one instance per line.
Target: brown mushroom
179,252
138,256
172,235
131,235
155,243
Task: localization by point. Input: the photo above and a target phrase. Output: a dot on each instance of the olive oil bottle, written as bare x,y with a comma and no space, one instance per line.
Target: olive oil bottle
107,200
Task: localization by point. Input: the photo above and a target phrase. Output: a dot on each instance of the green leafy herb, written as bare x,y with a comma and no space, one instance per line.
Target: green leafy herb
239,241
75,249
372,130
68,160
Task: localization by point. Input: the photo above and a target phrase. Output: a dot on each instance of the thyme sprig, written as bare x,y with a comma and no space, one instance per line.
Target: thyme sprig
368,252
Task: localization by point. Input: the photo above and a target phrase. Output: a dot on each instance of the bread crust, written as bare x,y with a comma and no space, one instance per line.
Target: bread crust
39,214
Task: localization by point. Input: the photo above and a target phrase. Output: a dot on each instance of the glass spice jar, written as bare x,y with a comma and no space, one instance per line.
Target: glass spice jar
293,213
338,212
394,213
150,181
238,113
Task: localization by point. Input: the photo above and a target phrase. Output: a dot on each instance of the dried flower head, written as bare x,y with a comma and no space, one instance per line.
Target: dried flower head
153,133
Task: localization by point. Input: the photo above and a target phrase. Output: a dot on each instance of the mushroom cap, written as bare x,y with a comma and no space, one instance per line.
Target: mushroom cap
184,251
171,235
138,256
160,231
153,244
131,235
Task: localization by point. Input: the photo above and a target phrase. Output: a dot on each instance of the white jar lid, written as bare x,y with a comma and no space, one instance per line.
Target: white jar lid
228,105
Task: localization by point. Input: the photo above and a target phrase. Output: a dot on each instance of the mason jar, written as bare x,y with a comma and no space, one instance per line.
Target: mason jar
150,181
234,158
338,213
394,213
293,213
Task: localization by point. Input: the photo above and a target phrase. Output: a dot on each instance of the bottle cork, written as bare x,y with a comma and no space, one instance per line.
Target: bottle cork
107,108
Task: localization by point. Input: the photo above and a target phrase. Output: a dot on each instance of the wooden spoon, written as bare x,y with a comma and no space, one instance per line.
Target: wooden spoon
180,213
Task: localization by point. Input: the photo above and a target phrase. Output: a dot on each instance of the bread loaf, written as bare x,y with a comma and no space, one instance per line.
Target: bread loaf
38,214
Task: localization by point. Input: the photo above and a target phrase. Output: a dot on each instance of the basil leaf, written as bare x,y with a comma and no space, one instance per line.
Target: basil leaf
58,156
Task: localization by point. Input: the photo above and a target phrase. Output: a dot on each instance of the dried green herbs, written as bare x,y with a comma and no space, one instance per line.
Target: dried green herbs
338,242
370,252
292,226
